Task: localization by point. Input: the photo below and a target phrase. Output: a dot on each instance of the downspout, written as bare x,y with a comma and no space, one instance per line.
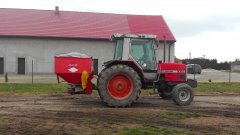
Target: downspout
169,52
164,49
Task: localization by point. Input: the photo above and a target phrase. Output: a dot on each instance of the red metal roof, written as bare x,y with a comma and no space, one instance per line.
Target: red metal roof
66,24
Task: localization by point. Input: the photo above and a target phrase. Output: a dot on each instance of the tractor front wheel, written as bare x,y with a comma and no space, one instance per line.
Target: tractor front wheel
182,94
119,86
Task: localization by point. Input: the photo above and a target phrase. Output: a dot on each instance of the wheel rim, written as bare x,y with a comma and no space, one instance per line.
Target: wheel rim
120,87
184,95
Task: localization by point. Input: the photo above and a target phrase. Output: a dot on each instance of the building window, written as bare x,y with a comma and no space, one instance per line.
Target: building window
1,65
21,66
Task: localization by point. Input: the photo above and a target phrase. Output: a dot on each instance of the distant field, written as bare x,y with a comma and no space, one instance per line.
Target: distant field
55,89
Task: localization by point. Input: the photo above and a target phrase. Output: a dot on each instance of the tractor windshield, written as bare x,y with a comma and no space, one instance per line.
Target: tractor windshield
118,50
142,52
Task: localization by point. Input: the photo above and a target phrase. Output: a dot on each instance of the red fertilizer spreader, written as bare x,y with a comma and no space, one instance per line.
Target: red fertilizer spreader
76,69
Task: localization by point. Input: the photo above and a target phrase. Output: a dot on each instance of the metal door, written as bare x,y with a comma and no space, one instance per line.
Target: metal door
1,65
21,66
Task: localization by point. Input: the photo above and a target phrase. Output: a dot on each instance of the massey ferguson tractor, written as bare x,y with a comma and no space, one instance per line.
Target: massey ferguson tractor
134,68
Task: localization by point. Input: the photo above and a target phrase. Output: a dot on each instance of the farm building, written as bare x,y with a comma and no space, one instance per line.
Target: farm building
36,36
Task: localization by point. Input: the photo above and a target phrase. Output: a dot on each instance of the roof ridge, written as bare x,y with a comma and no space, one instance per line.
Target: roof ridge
80,12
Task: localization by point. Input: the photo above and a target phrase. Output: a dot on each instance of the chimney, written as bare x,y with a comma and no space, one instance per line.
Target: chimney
56,10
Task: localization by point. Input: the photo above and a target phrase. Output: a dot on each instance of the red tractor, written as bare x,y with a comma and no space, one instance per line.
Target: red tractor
133,68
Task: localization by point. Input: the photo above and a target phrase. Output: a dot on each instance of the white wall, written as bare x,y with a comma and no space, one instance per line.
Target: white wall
43,50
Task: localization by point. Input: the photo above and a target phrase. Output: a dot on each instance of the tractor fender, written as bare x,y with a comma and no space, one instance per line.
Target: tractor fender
129,63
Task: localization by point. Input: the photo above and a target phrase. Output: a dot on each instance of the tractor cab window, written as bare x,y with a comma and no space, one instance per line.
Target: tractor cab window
118,50
142,52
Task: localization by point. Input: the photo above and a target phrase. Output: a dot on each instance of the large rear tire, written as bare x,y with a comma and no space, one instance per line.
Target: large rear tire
182,94
119,86
99,76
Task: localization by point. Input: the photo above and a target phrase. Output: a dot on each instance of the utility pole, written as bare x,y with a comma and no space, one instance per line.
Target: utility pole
204,56
230,70
190,55
204,61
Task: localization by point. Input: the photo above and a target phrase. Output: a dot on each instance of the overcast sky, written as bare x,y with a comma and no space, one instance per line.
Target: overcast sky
202,27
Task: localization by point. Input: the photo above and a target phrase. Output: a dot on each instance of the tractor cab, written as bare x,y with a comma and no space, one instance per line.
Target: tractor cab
137,51
139,48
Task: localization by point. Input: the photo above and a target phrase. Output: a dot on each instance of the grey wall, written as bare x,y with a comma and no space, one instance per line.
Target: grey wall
43,50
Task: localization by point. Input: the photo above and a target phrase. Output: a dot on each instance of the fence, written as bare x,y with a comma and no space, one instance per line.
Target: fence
211,75
43,72
27,71
11,78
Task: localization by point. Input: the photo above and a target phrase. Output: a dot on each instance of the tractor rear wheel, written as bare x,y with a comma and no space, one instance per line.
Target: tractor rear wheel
99,76
119,86
182,94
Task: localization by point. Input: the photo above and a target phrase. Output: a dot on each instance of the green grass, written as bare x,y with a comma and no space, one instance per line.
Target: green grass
213,88
32,89
180,115
151,130
55,89
236,71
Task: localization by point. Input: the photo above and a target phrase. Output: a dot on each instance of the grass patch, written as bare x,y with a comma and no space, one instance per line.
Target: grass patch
209,88
236,71
150,130
32,89
180,115
55,89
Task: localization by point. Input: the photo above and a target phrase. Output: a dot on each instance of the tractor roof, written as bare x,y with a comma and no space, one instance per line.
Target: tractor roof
141,36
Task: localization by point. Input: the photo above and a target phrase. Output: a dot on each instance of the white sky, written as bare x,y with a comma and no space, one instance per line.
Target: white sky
202,27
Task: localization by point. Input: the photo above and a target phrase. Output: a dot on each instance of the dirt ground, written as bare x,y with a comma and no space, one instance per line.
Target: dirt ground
216,114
